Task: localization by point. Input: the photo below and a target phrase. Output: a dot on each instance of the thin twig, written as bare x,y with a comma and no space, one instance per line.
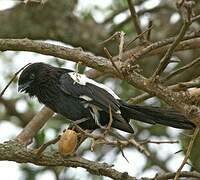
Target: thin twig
150,26
112,37
144,96
186,174
166,58
135,19
195,18
109,123
122,152
180,70
40,150
189,148
15,75
158,142
162,46
101,139
138,36
121,45
111,59
140,98
177,87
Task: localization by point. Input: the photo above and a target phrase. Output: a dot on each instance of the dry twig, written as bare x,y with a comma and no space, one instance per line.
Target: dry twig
158,142
166,58
112,37
121,45
101,139
150,26
40,150
186,174
184,86
111,59
136,20
181,69
189,148
138,36
13,78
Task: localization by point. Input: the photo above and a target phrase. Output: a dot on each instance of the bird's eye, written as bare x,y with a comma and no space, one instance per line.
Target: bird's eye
32,76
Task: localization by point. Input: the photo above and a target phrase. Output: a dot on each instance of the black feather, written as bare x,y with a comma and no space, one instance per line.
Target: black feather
89,103
156,115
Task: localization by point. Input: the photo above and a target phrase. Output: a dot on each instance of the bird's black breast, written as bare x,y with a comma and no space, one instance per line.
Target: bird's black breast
71,107
66,105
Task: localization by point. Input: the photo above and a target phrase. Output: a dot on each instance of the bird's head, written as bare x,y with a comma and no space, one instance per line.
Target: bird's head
30,77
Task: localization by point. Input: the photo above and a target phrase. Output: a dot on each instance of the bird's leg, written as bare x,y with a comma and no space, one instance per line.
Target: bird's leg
109,123
38,152
82,134
82,137
76,73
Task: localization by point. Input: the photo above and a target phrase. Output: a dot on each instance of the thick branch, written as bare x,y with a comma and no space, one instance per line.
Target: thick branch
54,20
177,100
75,54
13,151
190,41
34,126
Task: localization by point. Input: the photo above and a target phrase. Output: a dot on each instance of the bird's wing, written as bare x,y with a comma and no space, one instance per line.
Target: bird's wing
90,92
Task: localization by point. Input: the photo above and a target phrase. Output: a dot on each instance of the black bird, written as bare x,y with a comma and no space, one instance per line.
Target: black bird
87,102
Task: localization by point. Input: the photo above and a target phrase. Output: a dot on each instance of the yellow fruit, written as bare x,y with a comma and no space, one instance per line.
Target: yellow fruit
67,142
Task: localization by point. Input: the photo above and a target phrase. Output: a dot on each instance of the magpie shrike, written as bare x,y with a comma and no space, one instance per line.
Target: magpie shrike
88,102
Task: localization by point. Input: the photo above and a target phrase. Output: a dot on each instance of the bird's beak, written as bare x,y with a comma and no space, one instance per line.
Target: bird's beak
23,87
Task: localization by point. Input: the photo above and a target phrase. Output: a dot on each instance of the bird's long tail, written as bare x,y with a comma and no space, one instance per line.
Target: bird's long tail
156,115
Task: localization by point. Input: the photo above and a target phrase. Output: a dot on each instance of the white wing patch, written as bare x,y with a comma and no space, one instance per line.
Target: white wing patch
95,114
82,80
118,112
81,120
85,98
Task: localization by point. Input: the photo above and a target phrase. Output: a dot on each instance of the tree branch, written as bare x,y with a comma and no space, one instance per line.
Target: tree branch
135,19
166,58
13,151
189,148
190,41
25,137
186,174
177,100
66,53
